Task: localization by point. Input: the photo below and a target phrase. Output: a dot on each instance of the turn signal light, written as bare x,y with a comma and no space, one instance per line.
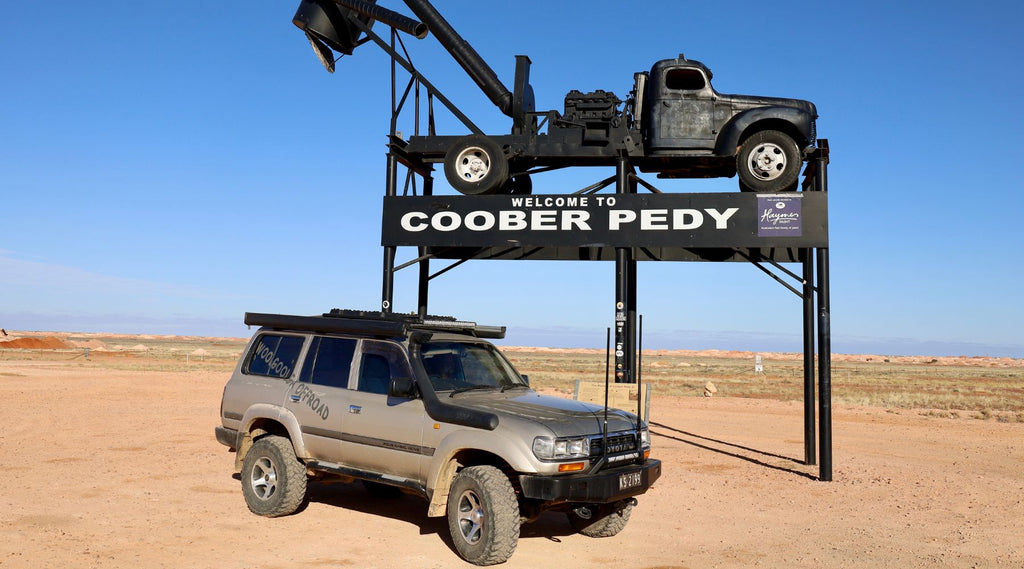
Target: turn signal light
572,467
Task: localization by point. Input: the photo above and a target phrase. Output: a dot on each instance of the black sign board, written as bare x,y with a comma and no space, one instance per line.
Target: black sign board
709,220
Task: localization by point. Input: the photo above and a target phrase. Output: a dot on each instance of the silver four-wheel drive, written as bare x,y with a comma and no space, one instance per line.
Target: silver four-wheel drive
427,407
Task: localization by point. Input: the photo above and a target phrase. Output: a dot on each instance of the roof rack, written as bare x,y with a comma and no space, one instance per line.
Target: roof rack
373,323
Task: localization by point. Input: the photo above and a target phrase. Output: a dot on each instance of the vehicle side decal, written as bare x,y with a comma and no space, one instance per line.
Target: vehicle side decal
382,443
368,441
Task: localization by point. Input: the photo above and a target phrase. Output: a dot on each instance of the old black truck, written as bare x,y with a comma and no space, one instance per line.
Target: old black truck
673,123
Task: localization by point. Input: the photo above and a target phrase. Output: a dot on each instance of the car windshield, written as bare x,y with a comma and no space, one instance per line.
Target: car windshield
454,366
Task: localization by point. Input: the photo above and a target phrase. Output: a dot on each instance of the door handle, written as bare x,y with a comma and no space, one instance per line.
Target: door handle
295,398
355,409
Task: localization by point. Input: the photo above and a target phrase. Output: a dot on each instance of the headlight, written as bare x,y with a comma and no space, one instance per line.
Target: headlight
549,448
645,439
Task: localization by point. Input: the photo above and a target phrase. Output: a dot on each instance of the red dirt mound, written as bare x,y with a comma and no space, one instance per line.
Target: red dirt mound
44,343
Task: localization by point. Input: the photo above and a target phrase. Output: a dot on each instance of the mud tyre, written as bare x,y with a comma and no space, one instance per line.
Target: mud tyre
604,521
483,515
273,479
768,161
476,165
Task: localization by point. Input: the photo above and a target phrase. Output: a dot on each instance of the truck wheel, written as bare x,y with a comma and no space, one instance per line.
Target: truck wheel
769,161
604,520
476,165
520,185
483,515
273,479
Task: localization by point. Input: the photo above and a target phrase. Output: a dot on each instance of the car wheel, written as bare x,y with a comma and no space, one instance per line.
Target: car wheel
603,520
273,479
476,165
483,515
768,161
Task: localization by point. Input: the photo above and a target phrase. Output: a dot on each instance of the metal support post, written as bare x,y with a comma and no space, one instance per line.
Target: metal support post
810,456
388,282
824,368
625,293
424,276
824,334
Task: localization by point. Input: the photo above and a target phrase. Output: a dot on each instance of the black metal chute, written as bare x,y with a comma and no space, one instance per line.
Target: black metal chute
330,24
338,25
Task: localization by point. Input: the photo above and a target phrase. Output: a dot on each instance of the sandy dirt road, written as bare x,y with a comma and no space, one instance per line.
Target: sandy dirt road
106,468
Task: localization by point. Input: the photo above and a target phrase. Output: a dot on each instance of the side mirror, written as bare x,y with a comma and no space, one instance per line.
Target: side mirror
526,378
402,387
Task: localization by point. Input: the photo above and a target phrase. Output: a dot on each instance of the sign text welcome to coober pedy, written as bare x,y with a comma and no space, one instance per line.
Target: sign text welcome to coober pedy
619,220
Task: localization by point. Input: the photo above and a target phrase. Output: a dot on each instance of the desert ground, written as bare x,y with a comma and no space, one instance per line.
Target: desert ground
109,460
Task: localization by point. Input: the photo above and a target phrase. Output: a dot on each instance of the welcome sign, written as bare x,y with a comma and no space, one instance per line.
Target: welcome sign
611,220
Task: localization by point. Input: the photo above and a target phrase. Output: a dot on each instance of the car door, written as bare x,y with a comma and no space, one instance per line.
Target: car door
686,110
383,434
320,395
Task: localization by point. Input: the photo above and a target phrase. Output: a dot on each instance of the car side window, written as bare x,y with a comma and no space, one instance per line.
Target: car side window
329,361
274,355
380,362
684,79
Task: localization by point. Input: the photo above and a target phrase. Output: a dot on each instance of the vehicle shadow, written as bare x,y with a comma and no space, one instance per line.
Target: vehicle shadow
413,510
705,443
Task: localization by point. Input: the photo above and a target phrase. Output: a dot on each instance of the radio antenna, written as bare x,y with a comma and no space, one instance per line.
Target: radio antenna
607,359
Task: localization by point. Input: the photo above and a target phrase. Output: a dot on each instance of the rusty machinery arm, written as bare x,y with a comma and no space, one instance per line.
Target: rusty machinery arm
330,23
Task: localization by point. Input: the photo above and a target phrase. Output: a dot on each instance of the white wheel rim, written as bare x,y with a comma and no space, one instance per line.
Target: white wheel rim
473,164
263,478
470,517
767,161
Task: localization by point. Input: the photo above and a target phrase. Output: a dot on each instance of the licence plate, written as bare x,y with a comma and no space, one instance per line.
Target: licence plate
629,480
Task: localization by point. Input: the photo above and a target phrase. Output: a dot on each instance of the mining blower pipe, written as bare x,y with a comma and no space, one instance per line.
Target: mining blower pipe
464,54
416,29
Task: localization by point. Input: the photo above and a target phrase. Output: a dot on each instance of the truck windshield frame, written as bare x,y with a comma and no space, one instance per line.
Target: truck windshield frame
455,365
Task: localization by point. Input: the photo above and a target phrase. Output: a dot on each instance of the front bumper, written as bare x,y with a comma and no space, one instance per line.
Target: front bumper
604,487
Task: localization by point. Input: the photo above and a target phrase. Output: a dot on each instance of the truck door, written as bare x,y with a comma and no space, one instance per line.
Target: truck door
320,395
682,111
383,434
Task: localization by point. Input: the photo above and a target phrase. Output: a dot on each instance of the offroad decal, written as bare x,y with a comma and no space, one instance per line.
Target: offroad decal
302,392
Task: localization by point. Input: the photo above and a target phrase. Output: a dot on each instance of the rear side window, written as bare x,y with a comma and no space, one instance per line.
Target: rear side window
329,362
274,355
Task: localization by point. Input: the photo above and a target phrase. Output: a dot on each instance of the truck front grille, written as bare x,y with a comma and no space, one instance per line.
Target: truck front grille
618,443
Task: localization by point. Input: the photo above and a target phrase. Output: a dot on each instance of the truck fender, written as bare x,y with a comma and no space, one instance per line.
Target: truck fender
794,122
269,412
446,464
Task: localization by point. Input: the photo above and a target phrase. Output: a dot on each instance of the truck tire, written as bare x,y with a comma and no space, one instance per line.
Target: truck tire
476,165
768,161
273,479
520,185
605,520
483,515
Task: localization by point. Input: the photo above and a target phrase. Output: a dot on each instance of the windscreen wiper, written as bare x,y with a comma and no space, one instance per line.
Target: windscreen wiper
470,388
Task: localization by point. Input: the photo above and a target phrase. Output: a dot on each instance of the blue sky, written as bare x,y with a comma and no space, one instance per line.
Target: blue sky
165,167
